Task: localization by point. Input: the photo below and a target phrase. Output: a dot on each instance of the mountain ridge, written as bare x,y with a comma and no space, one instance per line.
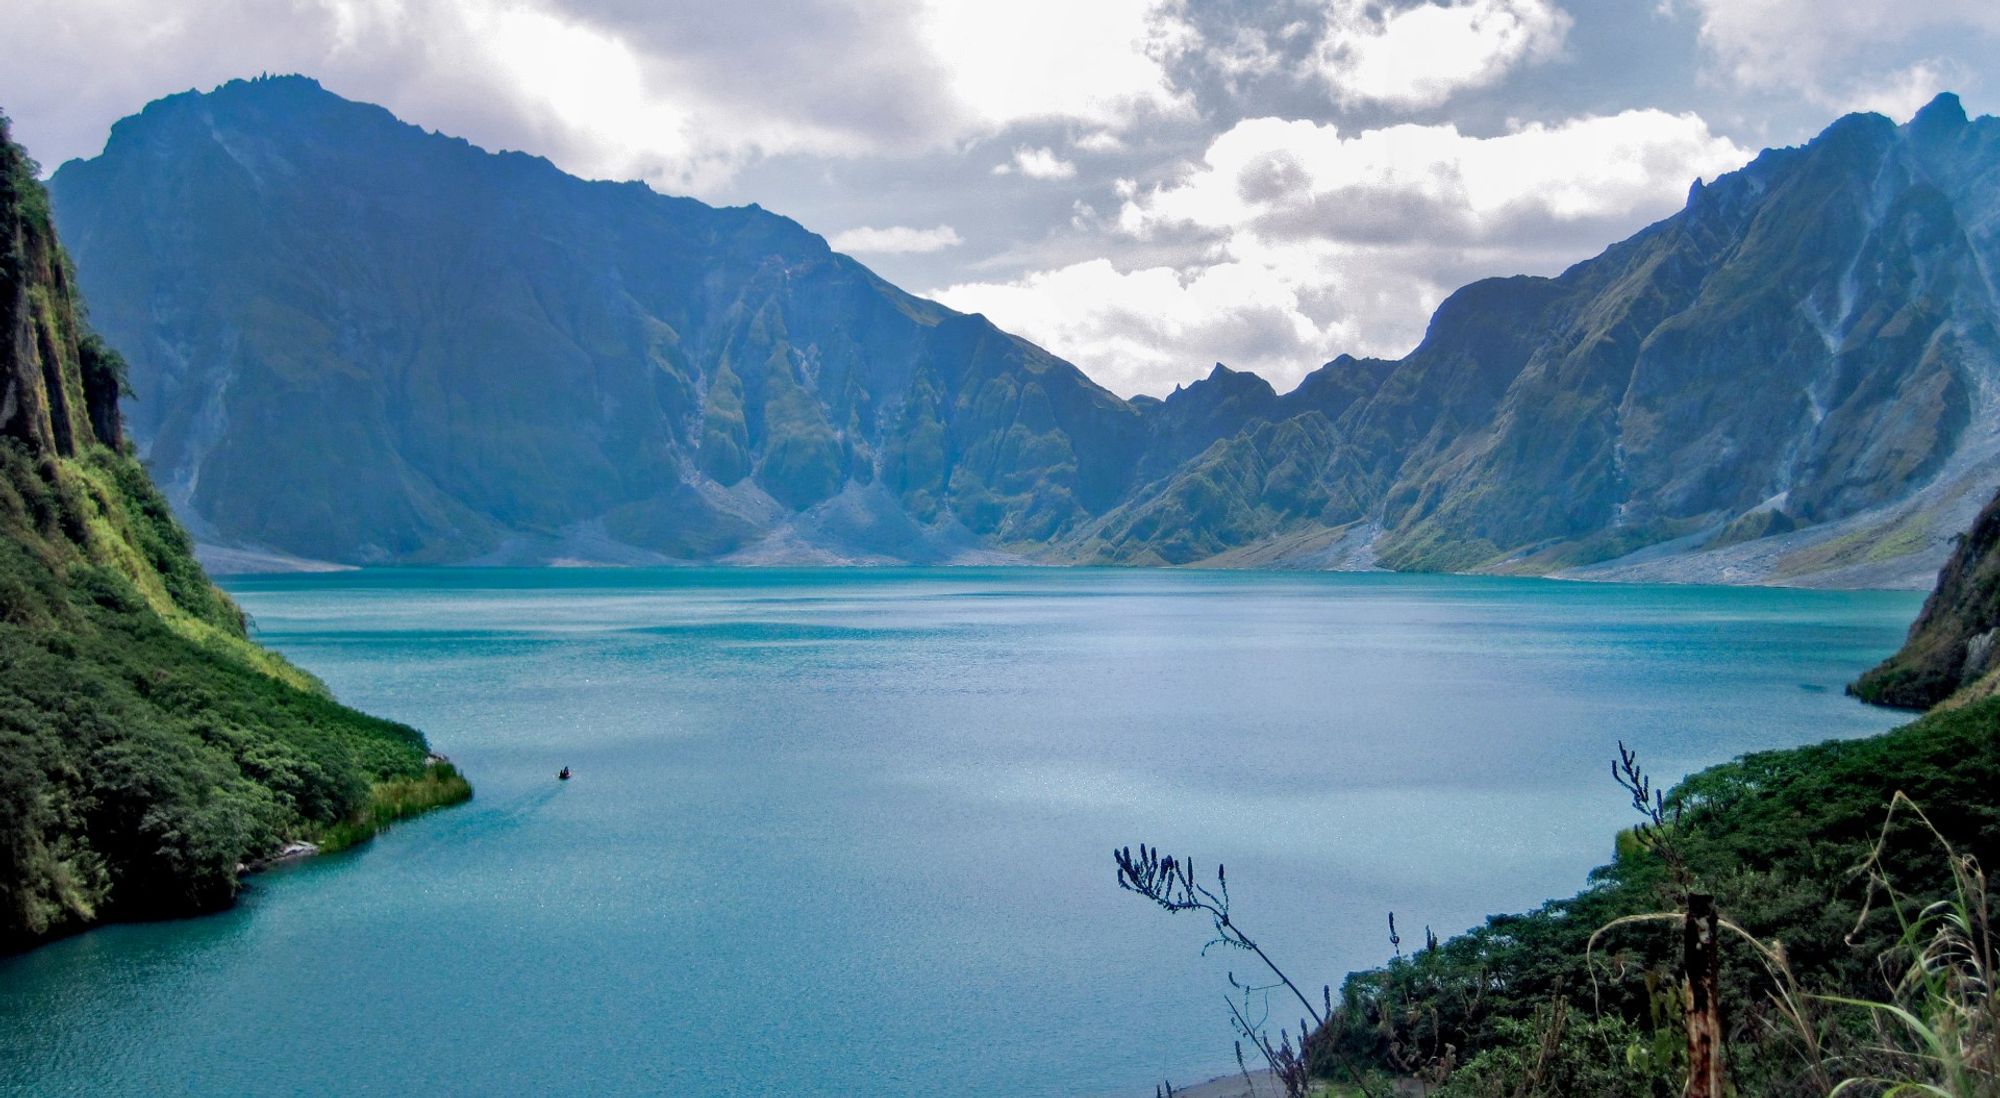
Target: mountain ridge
1785,381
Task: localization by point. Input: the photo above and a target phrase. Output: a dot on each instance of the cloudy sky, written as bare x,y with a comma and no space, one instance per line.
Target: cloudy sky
1143,186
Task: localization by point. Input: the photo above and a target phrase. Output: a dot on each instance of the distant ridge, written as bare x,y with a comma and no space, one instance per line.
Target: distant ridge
354,341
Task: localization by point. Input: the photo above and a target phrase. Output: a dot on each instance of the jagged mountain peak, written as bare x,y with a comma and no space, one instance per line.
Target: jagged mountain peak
293,120
1943,114
1221,383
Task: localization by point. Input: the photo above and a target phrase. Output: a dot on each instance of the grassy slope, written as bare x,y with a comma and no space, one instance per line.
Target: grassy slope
147,746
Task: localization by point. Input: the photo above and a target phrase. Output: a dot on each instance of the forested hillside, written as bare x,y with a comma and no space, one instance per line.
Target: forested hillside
148,748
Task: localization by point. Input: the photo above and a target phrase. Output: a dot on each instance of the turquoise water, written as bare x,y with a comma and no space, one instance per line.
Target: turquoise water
849,832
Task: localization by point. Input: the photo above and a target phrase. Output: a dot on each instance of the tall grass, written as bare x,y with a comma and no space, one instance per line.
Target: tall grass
1938,1030
438,786
1935,1030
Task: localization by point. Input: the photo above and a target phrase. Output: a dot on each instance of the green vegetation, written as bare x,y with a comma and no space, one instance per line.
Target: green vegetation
148,749
1850,920
1235,492
1794,846
803,463
725,444
440,785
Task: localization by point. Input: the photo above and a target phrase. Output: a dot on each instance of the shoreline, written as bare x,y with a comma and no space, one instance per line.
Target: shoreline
389,804
438,786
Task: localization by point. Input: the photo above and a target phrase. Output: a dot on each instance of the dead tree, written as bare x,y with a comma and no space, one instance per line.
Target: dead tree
1701,959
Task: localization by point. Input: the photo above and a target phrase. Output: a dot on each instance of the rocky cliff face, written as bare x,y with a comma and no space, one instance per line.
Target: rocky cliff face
1951,650
147,747
356,341
1791,379
58,384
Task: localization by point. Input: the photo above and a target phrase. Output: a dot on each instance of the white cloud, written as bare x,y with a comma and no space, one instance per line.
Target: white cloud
589,93
1265,168
1303,242
1037,163
895,240
1101,62
679,92
1421,56
1902,93
1833,52
1145,330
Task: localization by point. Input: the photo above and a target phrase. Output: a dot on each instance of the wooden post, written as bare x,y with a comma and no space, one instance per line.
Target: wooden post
1702,958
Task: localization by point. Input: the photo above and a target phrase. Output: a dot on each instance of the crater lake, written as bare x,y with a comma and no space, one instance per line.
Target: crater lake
849,831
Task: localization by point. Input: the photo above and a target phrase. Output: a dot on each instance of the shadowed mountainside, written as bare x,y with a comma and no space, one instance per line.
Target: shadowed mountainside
1950,651
356,341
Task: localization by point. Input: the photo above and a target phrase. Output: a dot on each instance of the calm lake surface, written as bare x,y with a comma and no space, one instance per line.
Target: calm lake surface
849,832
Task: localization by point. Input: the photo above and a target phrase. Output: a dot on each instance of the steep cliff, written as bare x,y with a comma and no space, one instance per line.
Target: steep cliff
356,341
147,747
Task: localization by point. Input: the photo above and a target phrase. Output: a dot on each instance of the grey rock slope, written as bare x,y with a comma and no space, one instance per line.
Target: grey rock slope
356,341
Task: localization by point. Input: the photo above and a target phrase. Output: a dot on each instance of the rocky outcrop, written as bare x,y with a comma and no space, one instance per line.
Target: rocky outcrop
1951,646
